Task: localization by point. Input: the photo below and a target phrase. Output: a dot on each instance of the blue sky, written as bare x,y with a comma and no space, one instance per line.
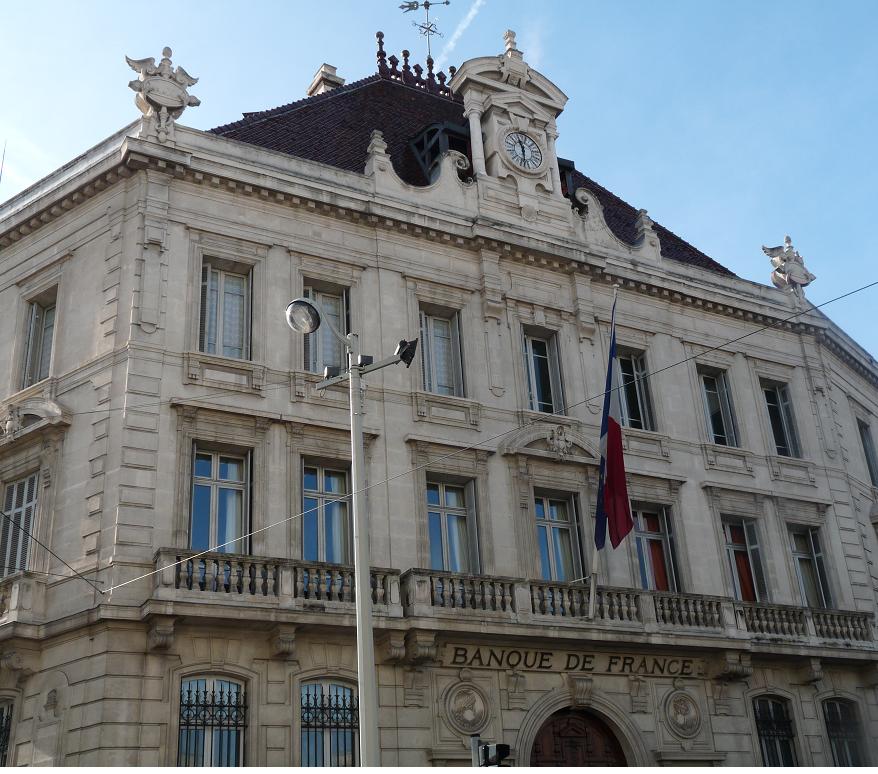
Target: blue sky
733,123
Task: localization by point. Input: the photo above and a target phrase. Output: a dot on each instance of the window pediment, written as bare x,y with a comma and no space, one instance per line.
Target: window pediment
556,441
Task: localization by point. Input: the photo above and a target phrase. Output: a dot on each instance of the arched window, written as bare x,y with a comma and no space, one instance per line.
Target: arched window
5,730
330,723
213,717
843,729
775,728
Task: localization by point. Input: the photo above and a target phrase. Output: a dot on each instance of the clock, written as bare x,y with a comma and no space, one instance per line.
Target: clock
523,151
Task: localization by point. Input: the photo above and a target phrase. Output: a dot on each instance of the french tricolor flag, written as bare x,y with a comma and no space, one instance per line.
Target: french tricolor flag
613,510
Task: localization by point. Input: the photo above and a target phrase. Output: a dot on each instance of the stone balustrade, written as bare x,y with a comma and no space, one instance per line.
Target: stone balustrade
283,583
316,586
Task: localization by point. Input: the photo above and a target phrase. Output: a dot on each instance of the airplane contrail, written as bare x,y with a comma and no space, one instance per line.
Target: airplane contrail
458,32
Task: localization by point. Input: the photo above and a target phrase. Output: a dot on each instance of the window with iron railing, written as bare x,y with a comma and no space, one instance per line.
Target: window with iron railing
212,723
5,730
843,730
329,724
775,729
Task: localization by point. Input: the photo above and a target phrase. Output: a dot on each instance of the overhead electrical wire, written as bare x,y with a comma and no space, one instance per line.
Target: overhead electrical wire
442,458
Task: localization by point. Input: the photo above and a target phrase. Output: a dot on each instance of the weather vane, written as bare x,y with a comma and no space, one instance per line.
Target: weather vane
428,28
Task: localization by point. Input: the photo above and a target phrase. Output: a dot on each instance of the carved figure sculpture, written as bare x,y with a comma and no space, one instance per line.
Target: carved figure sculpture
161,91
789,269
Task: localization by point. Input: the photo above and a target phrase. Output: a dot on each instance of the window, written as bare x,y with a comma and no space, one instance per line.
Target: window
326,524
330,722
780,414
655,554
810,570
451,528
745,564
543,375
718,407
220,502
19,504
634,395
5,730
869,450
775,729
224,327
440,354
322,348
556,538
38,338
213,717
843,730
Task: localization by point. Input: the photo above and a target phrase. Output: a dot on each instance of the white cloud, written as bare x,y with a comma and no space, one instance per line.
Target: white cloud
458,32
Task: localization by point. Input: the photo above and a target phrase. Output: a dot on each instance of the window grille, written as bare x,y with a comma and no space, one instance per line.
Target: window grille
330,725
213,716
775,729
843,730
5,731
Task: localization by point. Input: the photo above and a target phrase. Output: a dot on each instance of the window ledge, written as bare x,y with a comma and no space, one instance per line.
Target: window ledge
303,387
729,458
646,443
224,372
792,469
530,417
446,409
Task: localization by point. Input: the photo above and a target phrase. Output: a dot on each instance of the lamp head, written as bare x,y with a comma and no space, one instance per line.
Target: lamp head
405,351
303,316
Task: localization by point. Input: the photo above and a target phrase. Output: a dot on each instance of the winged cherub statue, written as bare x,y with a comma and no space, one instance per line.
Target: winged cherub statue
161,90
789,268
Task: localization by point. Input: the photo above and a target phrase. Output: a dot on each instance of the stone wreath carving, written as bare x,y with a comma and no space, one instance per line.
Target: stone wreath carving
683,715
466,708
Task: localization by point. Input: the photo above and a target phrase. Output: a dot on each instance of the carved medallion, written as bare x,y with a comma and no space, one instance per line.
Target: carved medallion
466,708
682,713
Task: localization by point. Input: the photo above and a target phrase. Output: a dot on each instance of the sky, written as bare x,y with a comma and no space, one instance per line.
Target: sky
732,123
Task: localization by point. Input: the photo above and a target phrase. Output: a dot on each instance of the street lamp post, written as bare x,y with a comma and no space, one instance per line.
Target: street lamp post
305,316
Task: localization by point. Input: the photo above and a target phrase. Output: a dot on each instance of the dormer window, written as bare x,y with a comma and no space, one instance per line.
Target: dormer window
431,145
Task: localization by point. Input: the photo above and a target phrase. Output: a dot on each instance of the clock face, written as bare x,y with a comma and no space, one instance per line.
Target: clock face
523,150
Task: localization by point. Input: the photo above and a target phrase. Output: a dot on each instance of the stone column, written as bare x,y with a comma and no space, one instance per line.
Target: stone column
474,115
551,135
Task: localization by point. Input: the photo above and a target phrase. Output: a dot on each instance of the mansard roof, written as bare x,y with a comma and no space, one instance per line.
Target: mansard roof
334,128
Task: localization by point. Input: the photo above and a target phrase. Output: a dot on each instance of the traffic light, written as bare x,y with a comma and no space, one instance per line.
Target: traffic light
492,754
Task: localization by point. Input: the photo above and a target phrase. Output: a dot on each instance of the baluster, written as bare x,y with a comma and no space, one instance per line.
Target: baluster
634,598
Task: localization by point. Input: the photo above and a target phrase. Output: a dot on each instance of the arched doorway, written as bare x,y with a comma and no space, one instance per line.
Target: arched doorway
575,738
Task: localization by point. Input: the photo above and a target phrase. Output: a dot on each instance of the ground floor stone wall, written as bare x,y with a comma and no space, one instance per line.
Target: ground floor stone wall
109,694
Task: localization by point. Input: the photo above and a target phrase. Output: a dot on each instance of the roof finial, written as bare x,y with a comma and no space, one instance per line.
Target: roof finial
382,56
509,41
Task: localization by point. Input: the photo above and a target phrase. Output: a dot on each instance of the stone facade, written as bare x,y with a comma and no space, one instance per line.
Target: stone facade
116,245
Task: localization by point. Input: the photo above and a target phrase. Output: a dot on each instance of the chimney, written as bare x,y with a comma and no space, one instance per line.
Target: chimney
325,79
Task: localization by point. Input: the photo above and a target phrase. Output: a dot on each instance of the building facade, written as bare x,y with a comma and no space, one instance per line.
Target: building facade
156,406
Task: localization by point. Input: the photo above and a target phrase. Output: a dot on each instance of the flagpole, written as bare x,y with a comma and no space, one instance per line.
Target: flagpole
595,553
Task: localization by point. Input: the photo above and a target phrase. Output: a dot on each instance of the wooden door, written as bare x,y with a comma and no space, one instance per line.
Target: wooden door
574,738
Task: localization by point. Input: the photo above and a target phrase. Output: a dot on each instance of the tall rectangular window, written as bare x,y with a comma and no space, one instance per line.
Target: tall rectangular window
224,327
440,354
5,730
780,415
213,720
718,411
775,729
322,348
543,374
451,528
745,561
843,730
869,450
810,569
655,554
330,725
220,502
20,505
634,396
557,539
38,339
326,523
